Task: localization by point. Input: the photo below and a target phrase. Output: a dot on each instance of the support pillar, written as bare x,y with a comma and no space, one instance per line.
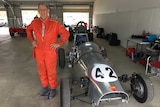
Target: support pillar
91,15
14,16
57,13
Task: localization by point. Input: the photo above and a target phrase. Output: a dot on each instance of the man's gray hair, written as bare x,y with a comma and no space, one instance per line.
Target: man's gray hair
43,4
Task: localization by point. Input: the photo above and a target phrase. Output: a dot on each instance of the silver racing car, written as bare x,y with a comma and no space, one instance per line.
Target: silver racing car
87,62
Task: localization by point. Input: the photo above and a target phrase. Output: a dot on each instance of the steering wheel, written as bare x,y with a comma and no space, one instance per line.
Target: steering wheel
81,23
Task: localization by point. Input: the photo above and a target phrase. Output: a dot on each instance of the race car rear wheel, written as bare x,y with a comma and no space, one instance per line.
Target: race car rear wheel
71,36
65,97
61,56
90,36
142,88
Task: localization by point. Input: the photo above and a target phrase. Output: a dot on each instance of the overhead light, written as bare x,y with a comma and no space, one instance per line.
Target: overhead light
76,7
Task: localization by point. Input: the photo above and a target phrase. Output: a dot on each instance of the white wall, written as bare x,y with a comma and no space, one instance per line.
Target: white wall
126,17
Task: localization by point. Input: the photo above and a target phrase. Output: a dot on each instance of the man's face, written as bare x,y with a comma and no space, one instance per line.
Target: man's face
43,11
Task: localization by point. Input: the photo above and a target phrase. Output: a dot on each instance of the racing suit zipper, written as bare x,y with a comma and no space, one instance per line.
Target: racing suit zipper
43,28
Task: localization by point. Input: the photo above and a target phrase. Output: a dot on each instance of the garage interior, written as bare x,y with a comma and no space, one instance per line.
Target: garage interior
19,81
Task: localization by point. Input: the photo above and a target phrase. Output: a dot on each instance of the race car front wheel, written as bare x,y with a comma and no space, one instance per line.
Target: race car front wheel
65,97
61,57
142,88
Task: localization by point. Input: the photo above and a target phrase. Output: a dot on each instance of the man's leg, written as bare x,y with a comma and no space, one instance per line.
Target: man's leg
51,62
42,72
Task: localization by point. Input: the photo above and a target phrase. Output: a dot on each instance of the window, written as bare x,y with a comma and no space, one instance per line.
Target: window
72,18
28,16
3,18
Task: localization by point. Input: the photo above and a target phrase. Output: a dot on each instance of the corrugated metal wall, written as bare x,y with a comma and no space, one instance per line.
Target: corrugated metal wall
128,21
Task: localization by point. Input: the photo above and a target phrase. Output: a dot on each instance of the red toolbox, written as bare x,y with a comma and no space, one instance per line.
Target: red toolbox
129,51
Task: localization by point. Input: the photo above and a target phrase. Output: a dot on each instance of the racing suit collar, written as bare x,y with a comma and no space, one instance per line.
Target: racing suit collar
43,20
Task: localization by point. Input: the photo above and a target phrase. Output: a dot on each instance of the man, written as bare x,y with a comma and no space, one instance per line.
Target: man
45,44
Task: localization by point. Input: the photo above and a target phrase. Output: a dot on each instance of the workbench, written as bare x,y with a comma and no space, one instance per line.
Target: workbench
138,43
139,48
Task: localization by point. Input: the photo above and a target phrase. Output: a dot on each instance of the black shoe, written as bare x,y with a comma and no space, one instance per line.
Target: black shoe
44,91
52,93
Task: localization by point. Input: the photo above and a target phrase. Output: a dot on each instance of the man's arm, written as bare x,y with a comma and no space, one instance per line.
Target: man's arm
29,31
64,34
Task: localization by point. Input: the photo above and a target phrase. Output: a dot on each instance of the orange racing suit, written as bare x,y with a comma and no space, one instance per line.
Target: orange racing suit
46,57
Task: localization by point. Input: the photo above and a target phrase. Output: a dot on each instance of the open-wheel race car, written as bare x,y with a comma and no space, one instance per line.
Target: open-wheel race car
21,31
98,80
80,29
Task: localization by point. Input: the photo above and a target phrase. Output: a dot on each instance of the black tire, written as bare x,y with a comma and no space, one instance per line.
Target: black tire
65,93
142,88
90,36
12,34
71,37
61,57
23,34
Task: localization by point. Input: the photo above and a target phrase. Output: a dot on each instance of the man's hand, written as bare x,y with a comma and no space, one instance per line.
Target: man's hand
34,44
54,46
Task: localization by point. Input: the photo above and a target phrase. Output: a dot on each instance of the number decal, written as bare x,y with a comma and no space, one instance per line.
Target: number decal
103,73
111,73
99,73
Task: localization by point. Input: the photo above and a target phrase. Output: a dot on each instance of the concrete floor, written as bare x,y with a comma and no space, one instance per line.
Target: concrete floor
20,85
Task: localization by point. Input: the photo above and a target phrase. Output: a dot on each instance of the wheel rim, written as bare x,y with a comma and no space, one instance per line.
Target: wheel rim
139,89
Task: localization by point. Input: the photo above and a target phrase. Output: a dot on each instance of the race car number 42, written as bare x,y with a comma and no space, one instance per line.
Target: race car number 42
103,73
